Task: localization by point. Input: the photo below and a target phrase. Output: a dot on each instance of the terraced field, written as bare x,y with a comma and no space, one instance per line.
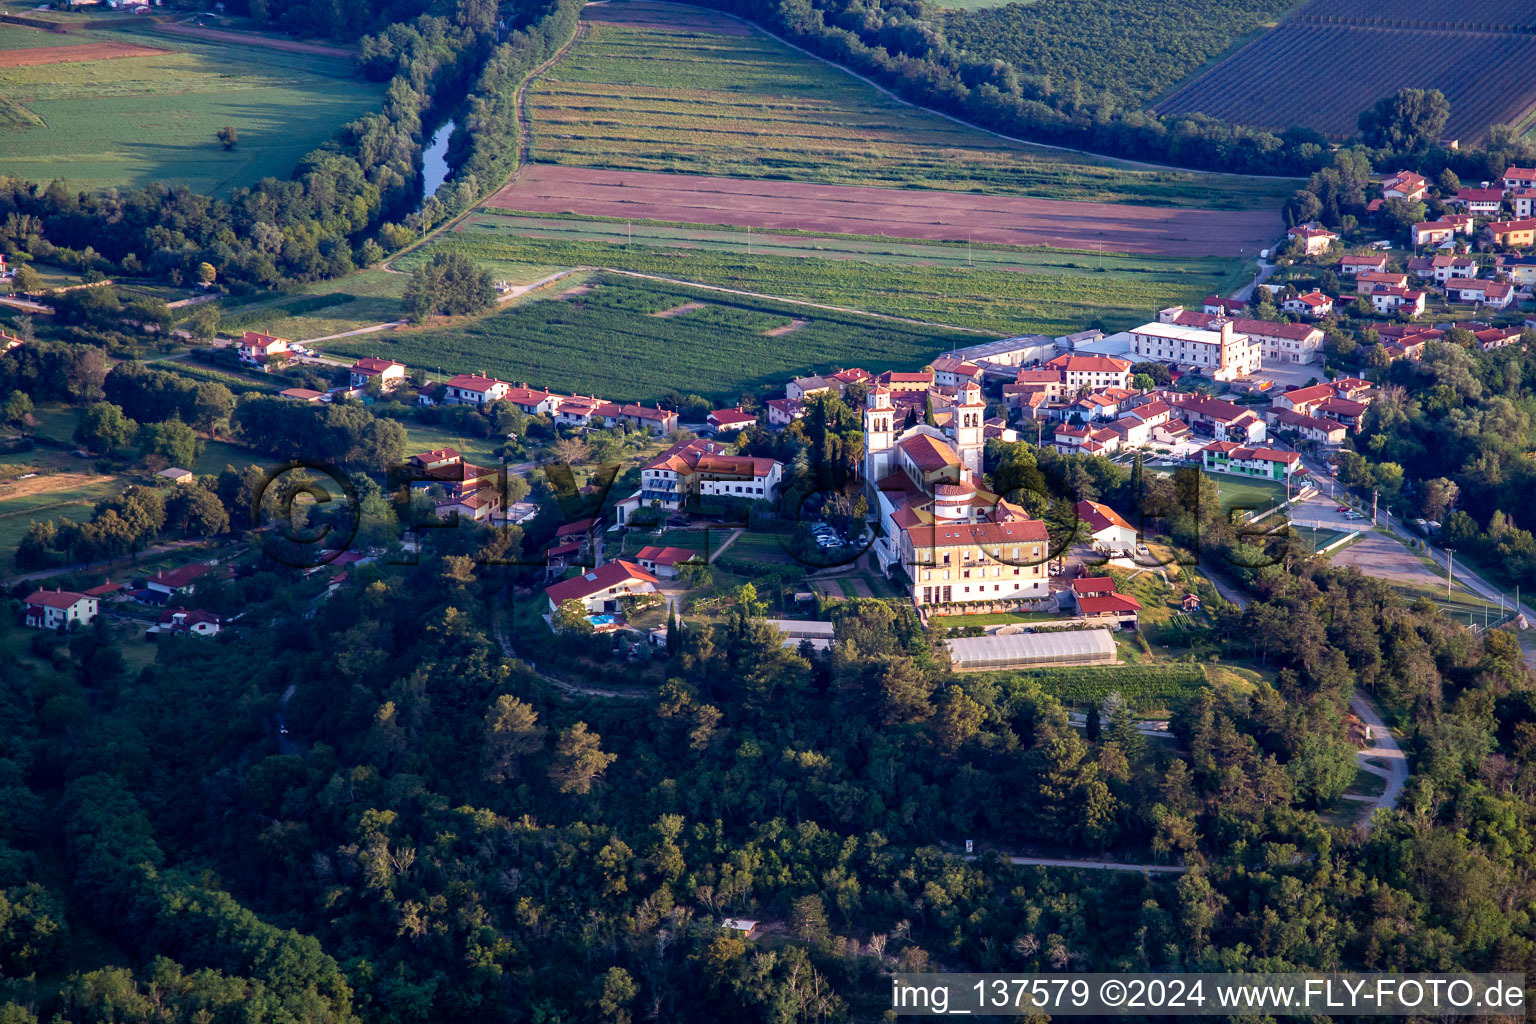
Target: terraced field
659,88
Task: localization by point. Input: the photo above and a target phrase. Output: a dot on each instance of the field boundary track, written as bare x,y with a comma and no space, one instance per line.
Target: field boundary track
76,53
927,214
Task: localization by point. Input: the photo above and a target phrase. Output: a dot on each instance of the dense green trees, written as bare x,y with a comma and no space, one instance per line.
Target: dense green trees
451,284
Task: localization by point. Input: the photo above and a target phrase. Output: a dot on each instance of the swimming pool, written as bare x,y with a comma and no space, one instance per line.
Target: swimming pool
604,619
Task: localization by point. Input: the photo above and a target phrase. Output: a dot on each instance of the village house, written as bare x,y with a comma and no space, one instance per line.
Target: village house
1521,270
1313,239
1139,425
1443,267
168,583
729,421
1368,282
1493,294
1313,305
175,475
1524,202
1089,371
951,372
1095,597
1217,348
1405,341
478,505
474,389
1361,263
58,609
663,561
1387,301
784,411
532,401
802,388
1342,410
1516,234
1107,529
306,395
897,382
1311,428
1217,305
692,470
387,372
1242,460
1211,417
1480,202
446,468
259,350
599,590
192,623
1279,343
1519,177
1490,338
1404,185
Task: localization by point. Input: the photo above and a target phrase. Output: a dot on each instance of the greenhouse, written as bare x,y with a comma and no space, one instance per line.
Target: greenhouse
1033,650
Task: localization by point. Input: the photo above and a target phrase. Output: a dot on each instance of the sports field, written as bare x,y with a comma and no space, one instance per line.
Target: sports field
143,106
1000,289
604,337
652,87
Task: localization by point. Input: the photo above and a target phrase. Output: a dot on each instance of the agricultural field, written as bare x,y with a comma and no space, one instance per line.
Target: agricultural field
606,338
659,88
1479,56
994,289
1105,43
929,215
147,110
1143,687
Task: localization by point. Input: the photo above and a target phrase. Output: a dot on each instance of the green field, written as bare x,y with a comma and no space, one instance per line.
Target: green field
329,307
1237,492
1002,289
689,91
606,342
135,120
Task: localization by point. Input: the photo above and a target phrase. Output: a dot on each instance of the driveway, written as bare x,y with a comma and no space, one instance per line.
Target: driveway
1383,748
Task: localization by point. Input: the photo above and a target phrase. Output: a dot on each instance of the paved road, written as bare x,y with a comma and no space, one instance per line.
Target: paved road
1266,269
1383,748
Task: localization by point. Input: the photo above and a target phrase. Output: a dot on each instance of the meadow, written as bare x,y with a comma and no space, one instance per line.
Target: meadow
1001,289
699,94
328,307
136,120
606,341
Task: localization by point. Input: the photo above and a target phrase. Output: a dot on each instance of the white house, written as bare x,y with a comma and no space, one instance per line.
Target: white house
56,609
1109,530
1313,305
257,349
387,372
600,589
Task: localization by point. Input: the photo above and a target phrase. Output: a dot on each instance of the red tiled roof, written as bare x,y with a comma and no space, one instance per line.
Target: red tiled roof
61,599
665,555
928,453
596,581
1108,603
472,382
178,578
106,588
373,364
582,526
1093,585
1100,517
980,534
1264,328
1089,364
726,417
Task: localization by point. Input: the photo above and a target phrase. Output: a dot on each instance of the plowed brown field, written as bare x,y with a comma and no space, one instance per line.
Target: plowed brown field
34,56
890,212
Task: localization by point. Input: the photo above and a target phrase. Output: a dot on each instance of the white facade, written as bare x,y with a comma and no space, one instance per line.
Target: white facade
1220,350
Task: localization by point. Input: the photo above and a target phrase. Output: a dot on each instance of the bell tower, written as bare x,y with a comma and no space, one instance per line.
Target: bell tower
970,435
879,434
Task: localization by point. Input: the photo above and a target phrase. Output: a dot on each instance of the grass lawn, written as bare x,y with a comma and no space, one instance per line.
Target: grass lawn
608,342
994,618
329,307
135,120
697,93
762,548
1240,492
1319,539
1005,289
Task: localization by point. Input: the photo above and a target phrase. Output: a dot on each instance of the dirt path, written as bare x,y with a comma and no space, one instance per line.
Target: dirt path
1384,748
250,39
